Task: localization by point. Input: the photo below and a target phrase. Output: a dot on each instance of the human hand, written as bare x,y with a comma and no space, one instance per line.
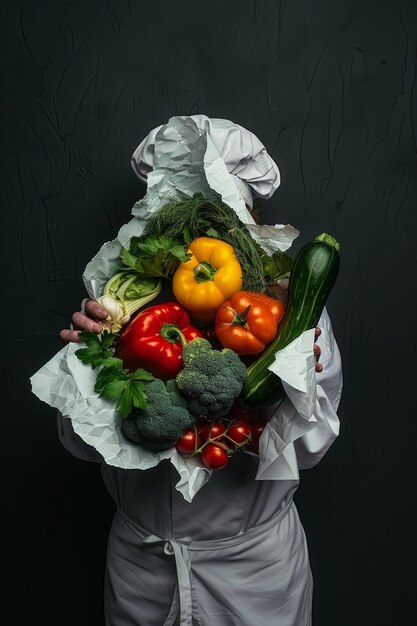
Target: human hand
88,321
317,351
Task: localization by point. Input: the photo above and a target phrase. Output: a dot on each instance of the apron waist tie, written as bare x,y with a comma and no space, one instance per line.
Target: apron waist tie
184,598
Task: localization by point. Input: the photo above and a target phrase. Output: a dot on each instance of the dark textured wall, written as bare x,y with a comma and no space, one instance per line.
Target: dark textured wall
330,88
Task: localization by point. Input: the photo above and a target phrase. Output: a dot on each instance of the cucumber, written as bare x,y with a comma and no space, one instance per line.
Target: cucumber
312,277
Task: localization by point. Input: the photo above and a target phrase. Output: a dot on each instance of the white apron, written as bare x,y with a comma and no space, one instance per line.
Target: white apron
257,575
235,555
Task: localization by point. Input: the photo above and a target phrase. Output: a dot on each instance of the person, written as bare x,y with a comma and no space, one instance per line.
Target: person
237,554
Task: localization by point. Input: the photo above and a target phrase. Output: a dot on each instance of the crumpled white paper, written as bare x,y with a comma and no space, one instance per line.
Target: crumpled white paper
295,365
67,385
273,238
308,410
186,162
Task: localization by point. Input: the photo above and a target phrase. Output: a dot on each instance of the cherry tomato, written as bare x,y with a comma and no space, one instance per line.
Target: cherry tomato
214,429
239,432
201,421
257,427
188,442
210,334
214,457
239,412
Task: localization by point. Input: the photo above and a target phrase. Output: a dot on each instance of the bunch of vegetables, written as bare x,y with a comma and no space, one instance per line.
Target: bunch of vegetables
192,371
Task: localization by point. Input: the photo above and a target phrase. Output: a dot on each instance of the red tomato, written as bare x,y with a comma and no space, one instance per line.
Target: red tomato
239,412
245,324
277,307
210,334
257,427
239,432
188,442
212,430
214,457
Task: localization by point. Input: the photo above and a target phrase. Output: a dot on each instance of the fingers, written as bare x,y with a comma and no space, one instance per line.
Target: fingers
88,322
68,336
317,353
317,350
94,310
82,322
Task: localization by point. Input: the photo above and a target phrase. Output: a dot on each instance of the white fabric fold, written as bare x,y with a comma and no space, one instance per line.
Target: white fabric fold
302,427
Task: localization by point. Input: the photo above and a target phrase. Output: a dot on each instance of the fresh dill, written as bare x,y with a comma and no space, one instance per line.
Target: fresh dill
187,218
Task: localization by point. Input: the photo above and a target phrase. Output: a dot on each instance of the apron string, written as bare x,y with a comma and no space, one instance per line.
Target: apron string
179,549
183,565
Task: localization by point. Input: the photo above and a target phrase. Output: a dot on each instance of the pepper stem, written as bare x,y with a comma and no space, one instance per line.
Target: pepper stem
172,333
204,272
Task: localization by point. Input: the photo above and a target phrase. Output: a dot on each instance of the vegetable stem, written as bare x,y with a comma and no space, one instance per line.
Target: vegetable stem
331,241
204,272
172,333
130,306
239,319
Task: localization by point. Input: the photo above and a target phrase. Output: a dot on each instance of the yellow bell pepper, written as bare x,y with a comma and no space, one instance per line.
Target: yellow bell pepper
209,278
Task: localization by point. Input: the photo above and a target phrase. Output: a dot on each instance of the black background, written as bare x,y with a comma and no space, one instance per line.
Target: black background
329,88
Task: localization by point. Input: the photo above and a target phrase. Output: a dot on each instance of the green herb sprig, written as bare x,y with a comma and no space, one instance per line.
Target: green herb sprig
277,266
113,382
128,389
98,351
155,256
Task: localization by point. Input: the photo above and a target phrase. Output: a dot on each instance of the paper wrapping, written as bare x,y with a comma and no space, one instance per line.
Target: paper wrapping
67,385
186,162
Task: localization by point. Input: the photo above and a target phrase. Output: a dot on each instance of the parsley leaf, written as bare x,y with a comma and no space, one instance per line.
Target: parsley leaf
155,257
276,266
128,258
127,388
212,232
98,350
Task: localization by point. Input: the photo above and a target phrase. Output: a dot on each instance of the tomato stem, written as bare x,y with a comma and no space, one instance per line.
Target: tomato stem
222,445
239,319
239,445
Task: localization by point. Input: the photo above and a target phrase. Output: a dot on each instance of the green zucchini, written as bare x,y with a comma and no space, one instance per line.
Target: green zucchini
312,277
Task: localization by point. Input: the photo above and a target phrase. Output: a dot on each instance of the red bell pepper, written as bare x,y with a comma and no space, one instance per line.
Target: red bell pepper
152,340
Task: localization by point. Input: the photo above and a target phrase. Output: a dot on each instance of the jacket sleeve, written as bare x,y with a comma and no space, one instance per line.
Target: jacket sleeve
312,446
73,442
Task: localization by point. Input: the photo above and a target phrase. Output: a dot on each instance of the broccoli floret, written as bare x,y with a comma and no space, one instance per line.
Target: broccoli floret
164,420
130,430
211,379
